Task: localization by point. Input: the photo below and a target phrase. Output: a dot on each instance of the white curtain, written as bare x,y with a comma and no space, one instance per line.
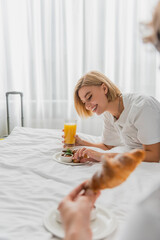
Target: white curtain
47,45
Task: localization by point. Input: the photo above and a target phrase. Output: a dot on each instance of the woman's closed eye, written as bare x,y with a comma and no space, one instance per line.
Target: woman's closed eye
89,97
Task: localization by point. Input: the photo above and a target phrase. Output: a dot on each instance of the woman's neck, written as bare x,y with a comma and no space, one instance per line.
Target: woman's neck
116,107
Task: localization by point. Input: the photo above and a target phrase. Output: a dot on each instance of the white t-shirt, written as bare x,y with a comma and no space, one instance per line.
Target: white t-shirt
138,124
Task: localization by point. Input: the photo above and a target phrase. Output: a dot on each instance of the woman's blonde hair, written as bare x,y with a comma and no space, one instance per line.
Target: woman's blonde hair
93,79
154,25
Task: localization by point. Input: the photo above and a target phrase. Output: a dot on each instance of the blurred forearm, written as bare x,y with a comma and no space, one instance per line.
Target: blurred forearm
98,145
78,232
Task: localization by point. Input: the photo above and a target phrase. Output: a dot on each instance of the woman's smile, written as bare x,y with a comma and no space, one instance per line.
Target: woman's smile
94,108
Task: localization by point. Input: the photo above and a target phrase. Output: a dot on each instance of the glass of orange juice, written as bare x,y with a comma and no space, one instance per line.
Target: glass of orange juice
70,132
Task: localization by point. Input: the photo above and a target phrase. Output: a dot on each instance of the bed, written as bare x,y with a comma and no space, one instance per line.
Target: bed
31,183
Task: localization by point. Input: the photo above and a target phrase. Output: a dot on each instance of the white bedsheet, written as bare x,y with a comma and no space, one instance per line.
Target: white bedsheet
31,183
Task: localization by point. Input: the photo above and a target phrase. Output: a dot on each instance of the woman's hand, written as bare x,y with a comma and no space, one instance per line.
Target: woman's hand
87,154
75,210
78,140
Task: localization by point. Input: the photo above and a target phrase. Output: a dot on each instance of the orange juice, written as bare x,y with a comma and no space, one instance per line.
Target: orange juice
69,133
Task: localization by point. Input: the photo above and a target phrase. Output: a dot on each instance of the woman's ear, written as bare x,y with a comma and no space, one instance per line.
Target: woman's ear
105,88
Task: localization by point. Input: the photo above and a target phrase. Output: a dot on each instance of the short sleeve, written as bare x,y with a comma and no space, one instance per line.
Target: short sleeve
147,123
110,135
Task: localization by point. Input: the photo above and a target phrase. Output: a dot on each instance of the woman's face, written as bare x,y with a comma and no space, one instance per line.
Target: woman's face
94,98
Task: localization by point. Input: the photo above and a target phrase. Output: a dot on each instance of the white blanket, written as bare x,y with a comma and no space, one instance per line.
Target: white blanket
31,182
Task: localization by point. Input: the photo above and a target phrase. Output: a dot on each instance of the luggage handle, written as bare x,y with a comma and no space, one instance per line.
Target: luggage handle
14,92
22,118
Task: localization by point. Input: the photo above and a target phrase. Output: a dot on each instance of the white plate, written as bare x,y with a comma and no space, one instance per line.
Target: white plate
101,227
57,158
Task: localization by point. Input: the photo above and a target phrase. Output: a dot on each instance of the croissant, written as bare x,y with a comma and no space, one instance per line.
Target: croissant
115,170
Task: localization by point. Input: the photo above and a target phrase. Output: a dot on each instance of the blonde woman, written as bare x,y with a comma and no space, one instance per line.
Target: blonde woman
130,120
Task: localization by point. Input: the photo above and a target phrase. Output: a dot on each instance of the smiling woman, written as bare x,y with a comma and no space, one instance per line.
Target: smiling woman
95,84
130,120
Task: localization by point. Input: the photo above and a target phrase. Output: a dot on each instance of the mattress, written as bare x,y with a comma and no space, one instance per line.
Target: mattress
31,183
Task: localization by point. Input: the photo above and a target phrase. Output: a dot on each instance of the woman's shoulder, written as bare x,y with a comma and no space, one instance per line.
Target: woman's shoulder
139,101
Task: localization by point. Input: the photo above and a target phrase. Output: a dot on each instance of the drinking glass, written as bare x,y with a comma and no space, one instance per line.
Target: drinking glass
70,132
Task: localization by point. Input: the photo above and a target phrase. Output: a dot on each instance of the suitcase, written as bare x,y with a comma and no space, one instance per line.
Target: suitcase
21,106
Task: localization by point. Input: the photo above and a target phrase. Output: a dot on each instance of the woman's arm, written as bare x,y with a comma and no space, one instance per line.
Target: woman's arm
98,145
152,152
87,154
81,142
